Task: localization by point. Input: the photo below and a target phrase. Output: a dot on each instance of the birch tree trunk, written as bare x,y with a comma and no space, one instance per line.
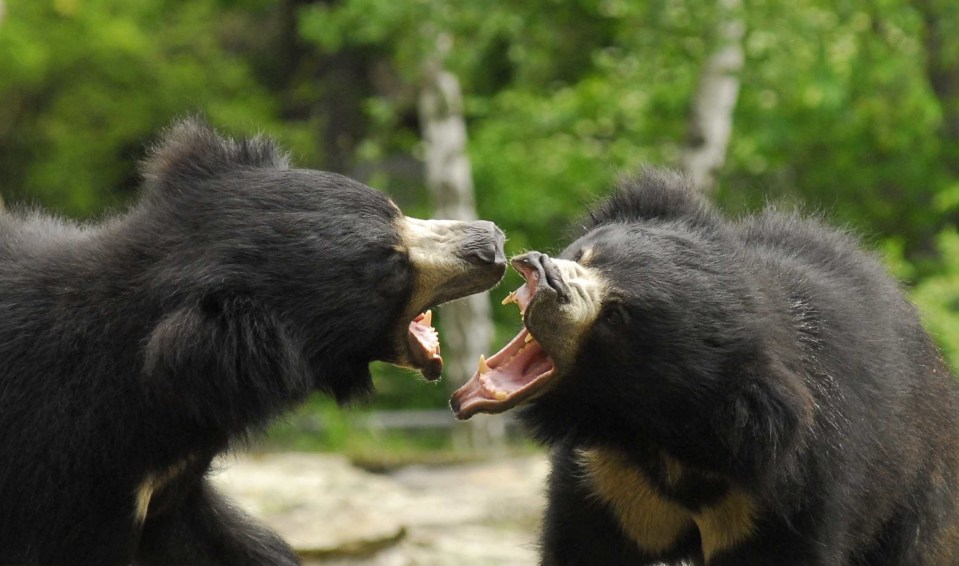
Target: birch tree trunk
467,326
711,119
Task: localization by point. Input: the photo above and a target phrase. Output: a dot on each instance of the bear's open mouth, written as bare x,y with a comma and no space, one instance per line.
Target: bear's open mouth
517,373
424,345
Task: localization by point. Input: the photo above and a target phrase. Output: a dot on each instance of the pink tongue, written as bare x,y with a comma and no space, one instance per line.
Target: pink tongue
524,295
509,377
519,371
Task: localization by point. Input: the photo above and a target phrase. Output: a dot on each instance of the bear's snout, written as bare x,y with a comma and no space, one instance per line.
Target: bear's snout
546,272
483,244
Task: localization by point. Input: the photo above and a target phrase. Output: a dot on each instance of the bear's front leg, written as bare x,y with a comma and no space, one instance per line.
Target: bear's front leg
202,528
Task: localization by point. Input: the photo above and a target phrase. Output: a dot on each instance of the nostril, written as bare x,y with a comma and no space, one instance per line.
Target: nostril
499,256
499,253
486,245
487,253
499,240
553,278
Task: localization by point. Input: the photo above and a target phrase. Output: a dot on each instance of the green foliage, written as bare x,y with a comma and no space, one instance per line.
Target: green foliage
938,298
320,425
836,112
87,84
838,109
575,88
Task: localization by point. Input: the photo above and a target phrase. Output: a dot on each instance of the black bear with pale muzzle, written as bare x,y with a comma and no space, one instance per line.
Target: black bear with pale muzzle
729,393
134,351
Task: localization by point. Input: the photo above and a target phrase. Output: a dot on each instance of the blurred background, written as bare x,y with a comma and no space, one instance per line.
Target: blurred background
522,112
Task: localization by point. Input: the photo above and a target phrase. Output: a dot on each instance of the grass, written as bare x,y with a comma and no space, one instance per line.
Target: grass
321,426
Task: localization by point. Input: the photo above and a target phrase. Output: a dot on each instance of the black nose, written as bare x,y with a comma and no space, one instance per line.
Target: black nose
484,244
550,277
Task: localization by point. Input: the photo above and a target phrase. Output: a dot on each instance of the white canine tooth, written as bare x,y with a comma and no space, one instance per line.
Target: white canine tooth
511,298
500,395
427,318
528,339
483,367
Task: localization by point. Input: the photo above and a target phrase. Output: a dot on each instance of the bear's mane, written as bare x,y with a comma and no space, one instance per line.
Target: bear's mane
190,150
653,194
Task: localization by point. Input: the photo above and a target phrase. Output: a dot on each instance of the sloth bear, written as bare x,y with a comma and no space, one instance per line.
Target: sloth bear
729,393
133,351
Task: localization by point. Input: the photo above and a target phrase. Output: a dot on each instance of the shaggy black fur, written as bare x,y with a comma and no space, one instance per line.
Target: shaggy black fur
133,351
767,357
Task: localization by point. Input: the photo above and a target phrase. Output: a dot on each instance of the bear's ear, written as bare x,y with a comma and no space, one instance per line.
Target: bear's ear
225,362
653,194
190,150
762,422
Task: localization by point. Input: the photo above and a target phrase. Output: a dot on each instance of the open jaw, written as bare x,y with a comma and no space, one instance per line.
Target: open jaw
424,346
517,373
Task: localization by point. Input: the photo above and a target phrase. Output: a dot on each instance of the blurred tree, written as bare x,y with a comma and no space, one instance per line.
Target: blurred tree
938,291
467,328
940,20
711,118
426,89
595,89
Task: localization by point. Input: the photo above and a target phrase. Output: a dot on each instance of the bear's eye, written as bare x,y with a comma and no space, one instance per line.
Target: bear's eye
615,314
583,255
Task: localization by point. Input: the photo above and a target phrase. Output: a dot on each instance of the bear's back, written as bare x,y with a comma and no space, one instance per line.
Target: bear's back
861,312
32,235
867,358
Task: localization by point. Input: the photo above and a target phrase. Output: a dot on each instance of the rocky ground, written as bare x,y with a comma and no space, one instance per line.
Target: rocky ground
479,514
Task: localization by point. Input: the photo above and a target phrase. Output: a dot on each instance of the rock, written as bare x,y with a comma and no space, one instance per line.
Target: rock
335,514
322,506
